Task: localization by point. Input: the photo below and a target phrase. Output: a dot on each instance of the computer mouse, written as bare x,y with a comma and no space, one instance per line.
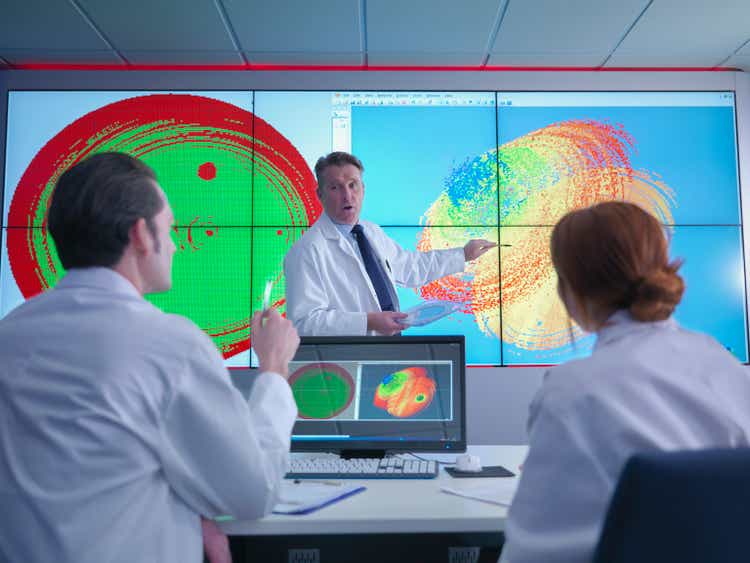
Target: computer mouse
468,463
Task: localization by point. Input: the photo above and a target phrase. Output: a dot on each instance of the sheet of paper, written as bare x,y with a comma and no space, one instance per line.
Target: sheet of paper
494,491
299,498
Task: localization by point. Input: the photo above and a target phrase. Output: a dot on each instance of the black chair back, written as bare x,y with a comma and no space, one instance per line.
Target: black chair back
686,507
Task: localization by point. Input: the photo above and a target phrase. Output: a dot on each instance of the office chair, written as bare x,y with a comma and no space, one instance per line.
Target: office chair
690,506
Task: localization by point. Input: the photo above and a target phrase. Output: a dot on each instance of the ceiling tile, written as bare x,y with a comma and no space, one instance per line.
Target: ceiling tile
59,56
425,59
150,25
745,50
580,28
430,26
304,58
184,57
281,26
556,59
45,24
685,33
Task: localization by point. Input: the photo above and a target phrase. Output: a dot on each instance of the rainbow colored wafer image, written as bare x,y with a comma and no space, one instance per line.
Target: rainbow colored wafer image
540,176
405,393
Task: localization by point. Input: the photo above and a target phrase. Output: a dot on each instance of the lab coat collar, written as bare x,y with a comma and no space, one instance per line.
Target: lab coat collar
622,323
98,278
330,231
328,228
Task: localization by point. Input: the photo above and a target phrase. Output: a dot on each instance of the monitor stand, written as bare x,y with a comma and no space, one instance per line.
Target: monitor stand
354,454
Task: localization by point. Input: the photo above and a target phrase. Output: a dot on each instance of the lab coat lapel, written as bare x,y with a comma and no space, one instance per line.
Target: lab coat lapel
332,234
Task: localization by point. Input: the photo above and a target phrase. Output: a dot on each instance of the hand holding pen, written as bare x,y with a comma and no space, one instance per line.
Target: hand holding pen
274,338
267,295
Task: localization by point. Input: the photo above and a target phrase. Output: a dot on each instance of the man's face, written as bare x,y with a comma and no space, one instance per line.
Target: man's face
341,192
158,269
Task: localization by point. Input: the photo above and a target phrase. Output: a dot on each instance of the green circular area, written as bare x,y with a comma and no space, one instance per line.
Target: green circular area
321,391
392,383
241,195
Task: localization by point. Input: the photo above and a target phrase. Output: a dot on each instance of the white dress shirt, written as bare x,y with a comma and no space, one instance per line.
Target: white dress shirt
646,386
328,290
119,427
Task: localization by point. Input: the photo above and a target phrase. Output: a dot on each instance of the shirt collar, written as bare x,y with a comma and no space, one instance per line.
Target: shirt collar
98,278
344,228
622,323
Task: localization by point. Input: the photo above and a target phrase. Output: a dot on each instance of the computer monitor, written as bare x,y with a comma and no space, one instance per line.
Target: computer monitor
368,396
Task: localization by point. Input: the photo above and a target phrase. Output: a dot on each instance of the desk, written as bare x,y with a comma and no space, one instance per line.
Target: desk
396,506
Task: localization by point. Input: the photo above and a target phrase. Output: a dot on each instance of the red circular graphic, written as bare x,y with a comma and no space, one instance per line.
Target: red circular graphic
207,171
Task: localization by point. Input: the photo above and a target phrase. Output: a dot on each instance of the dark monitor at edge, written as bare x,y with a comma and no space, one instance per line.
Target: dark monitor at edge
366,396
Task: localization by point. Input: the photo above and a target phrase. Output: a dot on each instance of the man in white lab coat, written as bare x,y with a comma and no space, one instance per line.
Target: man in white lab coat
329,289
119,425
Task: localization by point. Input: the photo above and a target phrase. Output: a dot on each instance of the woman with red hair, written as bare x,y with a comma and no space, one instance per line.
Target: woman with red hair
648,384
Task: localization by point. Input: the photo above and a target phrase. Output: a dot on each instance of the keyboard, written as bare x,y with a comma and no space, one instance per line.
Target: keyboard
361,468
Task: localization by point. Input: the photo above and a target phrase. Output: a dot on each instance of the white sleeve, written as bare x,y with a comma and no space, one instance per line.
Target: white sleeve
307,302
414,269
220,453
557,512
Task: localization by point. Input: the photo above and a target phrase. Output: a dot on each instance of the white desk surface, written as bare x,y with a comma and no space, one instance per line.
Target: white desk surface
399,505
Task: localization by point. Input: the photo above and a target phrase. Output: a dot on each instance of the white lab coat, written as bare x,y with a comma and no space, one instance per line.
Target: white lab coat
646,386
119,426
328,291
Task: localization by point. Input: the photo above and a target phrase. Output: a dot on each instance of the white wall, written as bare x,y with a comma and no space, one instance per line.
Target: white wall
497,398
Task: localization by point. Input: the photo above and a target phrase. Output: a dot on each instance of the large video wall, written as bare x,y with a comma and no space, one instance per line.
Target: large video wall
440,168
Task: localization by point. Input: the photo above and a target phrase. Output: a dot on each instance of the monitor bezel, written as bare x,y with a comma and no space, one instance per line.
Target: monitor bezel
378,448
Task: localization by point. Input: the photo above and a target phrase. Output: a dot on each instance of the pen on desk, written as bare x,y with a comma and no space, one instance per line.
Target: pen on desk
317,482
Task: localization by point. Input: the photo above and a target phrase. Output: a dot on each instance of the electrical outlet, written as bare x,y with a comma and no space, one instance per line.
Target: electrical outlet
463,554
304,556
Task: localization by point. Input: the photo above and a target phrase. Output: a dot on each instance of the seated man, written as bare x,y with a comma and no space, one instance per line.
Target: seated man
120,426
341,275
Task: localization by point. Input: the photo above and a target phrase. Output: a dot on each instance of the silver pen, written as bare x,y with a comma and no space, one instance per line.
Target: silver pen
267,295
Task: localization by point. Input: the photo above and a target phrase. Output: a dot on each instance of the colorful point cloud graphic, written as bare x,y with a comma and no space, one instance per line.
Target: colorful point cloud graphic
405,393
541,176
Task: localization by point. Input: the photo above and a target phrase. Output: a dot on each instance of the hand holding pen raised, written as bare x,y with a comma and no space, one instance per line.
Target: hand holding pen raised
274,340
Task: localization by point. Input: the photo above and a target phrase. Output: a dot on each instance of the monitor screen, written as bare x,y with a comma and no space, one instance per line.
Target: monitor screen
237,167
396,393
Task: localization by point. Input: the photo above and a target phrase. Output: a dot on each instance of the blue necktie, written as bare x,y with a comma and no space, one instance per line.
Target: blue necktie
374,269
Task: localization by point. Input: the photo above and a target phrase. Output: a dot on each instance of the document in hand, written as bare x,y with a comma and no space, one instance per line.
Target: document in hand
428,312
306,497
499,491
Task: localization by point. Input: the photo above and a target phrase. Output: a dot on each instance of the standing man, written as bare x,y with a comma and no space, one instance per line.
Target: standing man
119,426
341,275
